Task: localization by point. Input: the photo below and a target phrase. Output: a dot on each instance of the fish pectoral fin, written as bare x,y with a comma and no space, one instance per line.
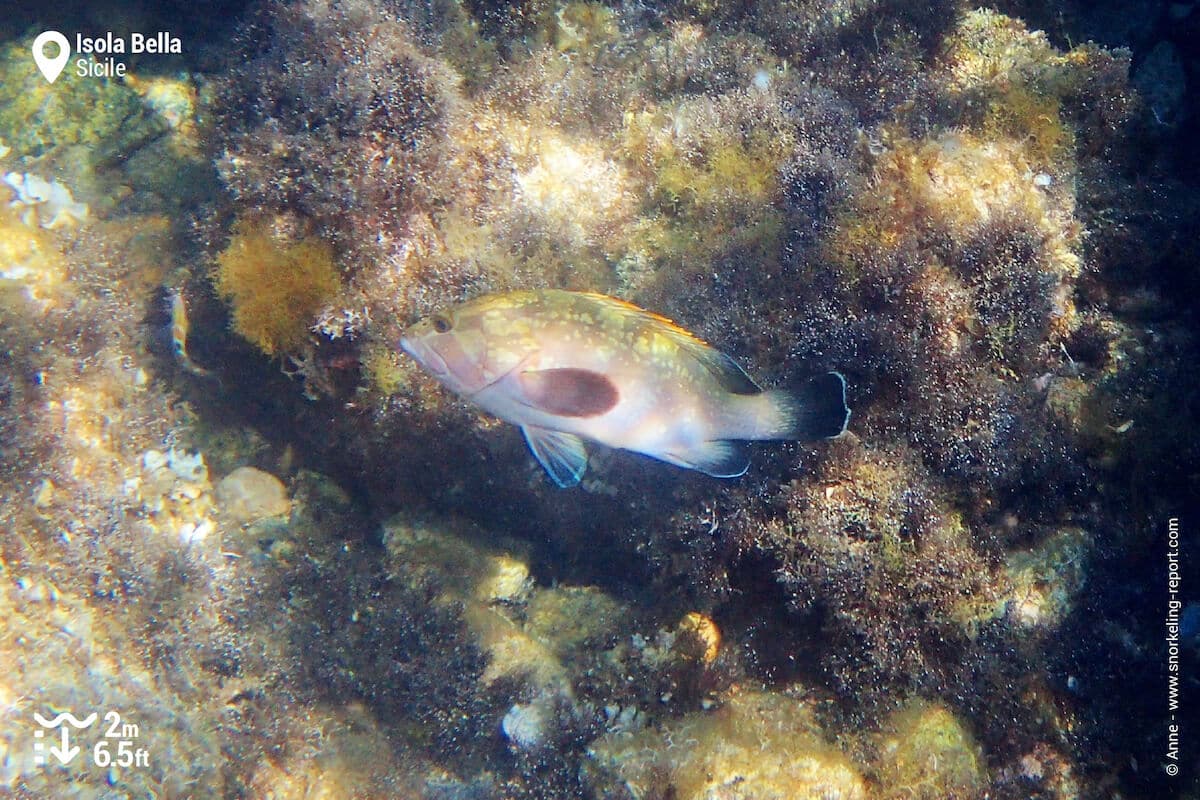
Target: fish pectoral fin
720,458
568,392
562,455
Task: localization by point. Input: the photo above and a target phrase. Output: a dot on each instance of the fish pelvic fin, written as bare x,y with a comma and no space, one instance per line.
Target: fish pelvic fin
720,458
562,455
817,410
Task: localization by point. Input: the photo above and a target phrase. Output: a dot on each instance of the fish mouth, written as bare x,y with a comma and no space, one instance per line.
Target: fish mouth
424,355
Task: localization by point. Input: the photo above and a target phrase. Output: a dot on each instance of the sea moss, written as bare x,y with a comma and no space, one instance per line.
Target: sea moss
336,113
872,548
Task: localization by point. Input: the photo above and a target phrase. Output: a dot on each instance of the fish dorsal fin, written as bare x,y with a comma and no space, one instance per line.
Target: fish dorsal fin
731,377
720,458
568,392
562,455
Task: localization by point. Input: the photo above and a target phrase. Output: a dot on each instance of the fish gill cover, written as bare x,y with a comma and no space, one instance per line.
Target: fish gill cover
235,512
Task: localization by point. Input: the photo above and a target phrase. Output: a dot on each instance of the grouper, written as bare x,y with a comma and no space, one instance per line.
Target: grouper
568,366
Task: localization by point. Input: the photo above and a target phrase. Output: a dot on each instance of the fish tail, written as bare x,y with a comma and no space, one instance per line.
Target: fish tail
817,410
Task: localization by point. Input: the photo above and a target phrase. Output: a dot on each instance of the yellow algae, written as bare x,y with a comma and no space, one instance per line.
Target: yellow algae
275,284
710,170
1019,80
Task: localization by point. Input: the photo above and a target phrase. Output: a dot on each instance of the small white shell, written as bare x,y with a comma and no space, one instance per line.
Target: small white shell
525,725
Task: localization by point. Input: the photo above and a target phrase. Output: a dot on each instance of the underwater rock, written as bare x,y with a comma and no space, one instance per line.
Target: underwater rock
525,725
1046,580
1163,82
248,494
175,494
697,638
486,581
569,618
66,652
453,550
354,757
760,745
29,256
871,540
926,753
352,141
895,190
36,117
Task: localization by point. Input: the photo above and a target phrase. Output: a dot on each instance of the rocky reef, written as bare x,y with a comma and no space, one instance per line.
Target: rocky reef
236,514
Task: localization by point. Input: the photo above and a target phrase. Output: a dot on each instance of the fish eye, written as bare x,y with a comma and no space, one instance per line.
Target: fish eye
441,324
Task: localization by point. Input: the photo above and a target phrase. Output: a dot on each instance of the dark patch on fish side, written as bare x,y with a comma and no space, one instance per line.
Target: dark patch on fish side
569,392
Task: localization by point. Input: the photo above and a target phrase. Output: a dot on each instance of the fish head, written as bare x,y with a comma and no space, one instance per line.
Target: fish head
471,346
453,353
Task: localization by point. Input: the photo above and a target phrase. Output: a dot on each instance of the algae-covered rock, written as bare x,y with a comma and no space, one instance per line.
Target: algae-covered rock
62,653
37,116
756,746
30,260
927,753
571,617
483,580
1046,580
455,553
46,203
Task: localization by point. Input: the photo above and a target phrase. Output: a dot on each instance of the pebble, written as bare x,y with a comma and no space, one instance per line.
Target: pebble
248,494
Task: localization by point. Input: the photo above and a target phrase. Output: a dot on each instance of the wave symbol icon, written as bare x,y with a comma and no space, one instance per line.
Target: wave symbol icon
65,716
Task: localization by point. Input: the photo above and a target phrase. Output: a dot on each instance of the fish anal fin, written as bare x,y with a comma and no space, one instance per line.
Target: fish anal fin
720,458
562,455
568,392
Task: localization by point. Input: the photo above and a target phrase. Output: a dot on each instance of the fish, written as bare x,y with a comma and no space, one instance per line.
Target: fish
570,366
180,326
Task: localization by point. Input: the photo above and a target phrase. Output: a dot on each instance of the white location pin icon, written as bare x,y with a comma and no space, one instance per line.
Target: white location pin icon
51,67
